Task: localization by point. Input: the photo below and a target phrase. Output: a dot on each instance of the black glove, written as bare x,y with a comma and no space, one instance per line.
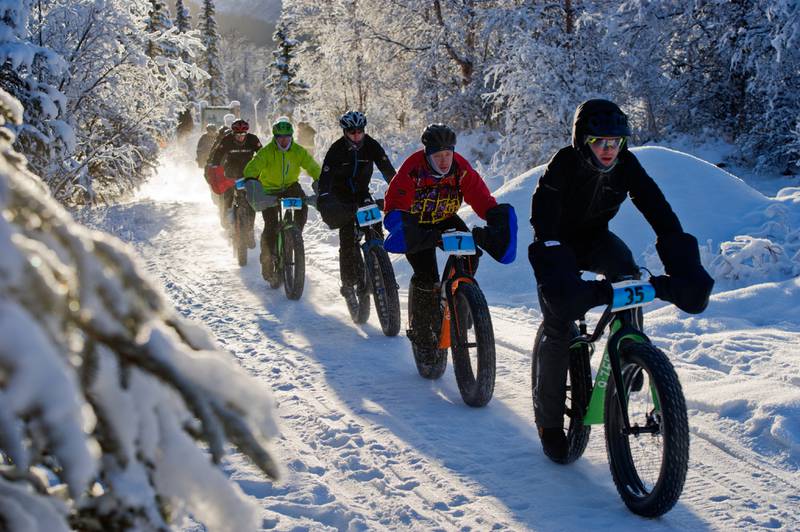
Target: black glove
499,237
687,284
566,295
335,213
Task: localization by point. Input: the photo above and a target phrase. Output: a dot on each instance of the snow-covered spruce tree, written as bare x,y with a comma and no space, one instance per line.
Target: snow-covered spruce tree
287,89
117,97
215,90
106,393
551,60
158,22
245,64
30,72
183,24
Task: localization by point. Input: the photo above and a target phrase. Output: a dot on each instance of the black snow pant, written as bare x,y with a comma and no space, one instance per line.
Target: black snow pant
351,265
605,254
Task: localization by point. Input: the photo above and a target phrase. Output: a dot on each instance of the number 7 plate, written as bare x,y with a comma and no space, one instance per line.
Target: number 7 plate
368,215
630,294
458,243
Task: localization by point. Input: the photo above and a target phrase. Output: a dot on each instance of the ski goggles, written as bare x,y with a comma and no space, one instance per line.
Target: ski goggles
613,143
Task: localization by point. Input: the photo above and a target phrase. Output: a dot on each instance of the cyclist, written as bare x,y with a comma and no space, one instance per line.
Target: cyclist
277,166
580,191
205,144
233,152
421,202
343,185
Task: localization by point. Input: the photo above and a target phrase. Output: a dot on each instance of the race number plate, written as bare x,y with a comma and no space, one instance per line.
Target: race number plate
240,184
458,243
291,204
630,294
368,215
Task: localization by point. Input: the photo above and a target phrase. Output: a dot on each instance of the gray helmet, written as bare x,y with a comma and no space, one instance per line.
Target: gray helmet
353,120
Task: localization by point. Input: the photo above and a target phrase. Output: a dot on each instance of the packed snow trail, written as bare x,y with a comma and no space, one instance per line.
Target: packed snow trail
368,444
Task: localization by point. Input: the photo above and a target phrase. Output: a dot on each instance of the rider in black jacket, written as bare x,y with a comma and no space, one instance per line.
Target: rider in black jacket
344,185
233,152
580,192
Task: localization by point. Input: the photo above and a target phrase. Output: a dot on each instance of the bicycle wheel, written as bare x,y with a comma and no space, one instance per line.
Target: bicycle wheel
240,235
430,361
649,468
472,345
384,290
293,256
579,391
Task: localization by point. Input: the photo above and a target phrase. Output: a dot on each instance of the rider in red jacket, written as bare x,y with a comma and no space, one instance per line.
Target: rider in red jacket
421,202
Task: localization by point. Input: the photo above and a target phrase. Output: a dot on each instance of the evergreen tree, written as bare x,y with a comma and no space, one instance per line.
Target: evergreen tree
157,24
215,89
30,73
288,90
183,20
183,24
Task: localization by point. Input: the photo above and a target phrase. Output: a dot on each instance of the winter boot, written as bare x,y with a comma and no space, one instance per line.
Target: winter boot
426,315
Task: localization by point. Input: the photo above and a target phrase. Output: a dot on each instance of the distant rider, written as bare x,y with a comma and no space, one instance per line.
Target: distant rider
277,166
233,152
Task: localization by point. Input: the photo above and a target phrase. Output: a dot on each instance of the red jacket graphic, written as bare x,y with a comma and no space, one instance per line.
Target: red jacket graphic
414,189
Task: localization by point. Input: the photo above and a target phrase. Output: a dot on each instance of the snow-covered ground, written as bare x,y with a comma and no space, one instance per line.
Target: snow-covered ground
370,445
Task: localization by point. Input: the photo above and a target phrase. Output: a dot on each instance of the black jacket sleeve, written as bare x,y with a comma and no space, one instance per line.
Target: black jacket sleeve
219,152
326,175
648,198
547,198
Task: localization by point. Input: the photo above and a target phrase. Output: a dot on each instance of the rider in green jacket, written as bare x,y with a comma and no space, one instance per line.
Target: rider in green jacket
277,166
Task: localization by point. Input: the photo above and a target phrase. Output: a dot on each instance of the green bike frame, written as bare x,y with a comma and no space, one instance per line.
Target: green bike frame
610,364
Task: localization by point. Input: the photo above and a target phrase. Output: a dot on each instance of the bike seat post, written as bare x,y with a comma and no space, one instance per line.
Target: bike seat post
582,325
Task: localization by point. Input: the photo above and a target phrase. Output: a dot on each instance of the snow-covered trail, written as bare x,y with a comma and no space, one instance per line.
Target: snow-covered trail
368,444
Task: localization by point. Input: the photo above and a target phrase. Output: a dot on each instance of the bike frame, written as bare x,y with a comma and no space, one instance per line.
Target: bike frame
622,327
455,273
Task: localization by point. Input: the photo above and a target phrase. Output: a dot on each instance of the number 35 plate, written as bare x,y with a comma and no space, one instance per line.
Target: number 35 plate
629,294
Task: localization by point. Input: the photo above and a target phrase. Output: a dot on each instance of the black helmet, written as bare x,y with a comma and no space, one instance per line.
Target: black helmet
600,118
438,137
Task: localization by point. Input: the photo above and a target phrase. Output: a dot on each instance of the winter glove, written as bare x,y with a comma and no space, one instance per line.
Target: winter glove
566,295
499,237
687,284
335,213
407,235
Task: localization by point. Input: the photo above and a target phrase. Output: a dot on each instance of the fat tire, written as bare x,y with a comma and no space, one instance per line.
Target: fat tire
579,391
294,263
384,290
472,312
667,489
239,238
